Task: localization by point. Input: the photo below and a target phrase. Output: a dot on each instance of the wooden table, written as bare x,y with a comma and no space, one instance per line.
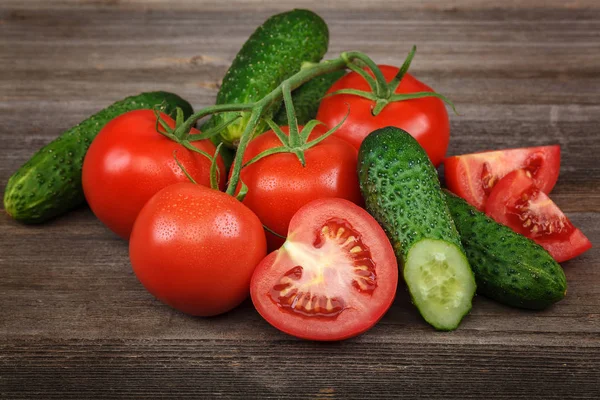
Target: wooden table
75,322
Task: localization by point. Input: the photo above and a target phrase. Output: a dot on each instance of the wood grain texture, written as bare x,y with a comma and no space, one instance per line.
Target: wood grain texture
76,324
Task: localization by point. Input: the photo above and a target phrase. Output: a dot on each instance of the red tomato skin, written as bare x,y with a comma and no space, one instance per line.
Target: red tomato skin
426,119
278,185
562,247
463,173
195,248
359,317
128,162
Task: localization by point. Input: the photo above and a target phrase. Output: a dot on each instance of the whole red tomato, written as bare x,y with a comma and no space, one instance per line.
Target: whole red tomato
278,185
195,248
426,119
129,161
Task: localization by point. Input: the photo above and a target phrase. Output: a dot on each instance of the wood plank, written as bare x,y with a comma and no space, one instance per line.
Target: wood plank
250,5
175,369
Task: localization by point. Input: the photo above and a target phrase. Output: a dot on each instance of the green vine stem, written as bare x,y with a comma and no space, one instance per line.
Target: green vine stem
258,108
382,94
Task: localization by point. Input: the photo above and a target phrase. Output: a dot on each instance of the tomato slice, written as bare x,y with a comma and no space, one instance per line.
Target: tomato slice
473,176
333,278
516,202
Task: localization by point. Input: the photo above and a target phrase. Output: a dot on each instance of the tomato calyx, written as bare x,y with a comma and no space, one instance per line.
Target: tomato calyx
185,138
296,141
382,92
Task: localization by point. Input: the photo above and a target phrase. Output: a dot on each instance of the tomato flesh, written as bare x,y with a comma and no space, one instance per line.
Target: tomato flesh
334,277
517,202
473,176
307,288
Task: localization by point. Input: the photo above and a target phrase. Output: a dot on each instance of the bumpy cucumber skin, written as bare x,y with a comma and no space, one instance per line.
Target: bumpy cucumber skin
402,192
273,53
49,184
508,267
308,97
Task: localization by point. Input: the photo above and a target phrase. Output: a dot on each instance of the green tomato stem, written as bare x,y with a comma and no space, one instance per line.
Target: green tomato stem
257,109
244,140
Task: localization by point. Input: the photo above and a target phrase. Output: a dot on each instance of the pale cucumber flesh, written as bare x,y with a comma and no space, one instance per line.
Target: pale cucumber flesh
440,282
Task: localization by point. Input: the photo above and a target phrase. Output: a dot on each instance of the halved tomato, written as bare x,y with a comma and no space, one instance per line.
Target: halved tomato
472,176
516,202
333,278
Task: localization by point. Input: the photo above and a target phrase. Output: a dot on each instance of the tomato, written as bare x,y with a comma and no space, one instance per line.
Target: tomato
472,176
426,119
334,277
195,248
516,202
278,185
129,161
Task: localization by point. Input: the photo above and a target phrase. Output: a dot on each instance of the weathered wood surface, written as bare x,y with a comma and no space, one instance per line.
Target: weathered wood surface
75,323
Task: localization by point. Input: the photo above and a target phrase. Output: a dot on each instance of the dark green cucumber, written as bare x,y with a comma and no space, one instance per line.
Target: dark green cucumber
273,53
307,98
402,191
50,182
508,267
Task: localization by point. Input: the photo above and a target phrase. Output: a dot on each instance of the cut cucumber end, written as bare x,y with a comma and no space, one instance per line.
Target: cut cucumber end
440,282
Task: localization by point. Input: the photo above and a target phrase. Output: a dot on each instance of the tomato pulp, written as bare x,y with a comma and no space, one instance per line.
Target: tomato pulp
517,202
333,278
473,176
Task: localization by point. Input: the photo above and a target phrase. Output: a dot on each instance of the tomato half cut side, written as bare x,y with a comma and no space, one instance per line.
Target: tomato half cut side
334,277
473,176
516,202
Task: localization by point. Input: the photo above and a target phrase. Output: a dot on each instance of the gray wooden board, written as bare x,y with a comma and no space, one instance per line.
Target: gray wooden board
74,321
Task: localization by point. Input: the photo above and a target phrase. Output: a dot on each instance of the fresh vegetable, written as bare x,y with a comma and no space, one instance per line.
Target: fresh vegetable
402,191
279,184
473,176
273,53
394,98
129,161
508,267
307,98
49,184
195,249
333,278
517,202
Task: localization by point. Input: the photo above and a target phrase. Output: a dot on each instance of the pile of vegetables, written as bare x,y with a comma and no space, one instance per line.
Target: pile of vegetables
314,218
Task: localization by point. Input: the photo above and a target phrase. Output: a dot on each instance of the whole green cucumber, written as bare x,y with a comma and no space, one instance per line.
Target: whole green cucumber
49,184
273,53
508,267
402,191
307,98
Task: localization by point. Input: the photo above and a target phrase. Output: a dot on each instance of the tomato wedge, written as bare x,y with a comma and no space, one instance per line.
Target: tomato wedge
473,176
516,202
333,278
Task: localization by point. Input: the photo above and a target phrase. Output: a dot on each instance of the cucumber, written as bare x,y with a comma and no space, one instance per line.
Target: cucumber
308,97
402,191
273,53
49,184
508,267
